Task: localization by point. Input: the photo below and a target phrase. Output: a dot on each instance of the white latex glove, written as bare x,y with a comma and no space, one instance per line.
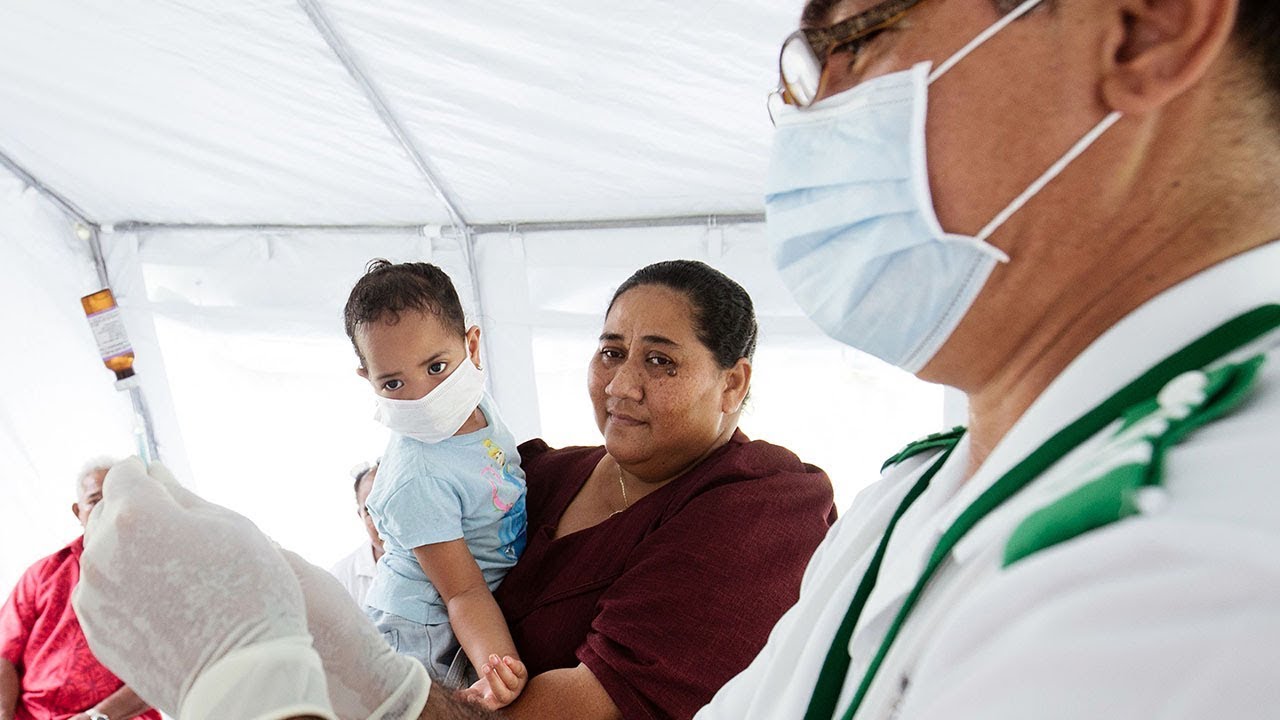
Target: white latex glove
367,679
193,608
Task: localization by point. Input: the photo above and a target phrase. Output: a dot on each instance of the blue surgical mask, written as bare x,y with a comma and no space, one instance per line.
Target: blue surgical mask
852,224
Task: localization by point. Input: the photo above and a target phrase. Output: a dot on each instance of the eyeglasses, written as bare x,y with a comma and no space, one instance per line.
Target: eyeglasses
802,63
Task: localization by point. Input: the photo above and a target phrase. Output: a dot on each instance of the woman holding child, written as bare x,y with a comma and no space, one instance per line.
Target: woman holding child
657,564
654,566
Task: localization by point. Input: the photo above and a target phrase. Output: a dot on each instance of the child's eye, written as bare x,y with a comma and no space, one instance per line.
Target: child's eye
436,368
393,385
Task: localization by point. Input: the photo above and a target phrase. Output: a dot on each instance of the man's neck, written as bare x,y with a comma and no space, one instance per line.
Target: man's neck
1091,275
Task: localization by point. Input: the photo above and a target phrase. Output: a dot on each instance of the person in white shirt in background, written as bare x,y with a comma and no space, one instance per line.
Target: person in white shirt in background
355,571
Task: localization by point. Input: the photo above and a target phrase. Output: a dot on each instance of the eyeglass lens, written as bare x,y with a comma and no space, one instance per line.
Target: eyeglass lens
801,70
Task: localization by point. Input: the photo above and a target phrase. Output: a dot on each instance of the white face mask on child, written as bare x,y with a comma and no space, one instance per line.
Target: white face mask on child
440,413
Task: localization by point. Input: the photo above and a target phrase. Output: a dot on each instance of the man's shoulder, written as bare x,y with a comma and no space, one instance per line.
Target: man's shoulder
1225,471
50,564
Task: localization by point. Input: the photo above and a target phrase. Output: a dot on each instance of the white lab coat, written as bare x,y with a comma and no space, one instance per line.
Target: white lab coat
355,572
1174,613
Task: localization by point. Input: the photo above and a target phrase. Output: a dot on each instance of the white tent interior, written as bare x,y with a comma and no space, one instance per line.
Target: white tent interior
232,166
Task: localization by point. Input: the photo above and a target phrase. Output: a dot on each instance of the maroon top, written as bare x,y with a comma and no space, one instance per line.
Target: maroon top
669,600
40,635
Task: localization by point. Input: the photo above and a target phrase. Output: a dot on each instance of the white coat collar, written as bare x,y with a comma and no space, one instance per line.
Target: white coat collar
1146,336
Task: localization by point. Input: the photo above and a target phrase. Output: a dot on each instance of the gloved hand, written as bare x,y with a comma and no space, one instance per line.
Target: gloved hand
192,606
367,679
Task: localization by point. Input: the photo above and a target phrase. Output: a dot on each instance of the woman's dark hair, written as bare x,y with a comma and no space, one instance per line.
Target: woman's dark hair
724,318
388,289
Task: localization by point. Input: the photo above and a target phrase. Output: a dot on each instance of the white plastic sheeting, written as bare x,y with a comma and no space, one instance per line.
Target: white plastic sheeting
245,113
238,112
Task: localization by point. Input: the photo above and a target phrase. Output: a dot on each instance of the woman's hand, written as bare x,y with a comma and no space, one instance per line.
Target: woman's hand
500,683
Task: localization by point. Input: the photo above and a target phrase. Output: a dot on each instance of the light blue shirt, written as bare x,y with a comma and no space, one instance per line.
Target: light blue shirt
467,486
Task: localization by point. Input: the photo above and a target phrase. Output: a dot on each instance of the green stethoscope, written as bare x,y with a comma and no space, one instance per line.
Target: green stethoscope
1230,384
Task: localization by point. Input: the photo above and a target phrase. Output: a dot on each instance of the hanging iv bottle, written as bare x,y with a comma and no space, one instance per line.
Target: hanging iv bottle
108,332
117,355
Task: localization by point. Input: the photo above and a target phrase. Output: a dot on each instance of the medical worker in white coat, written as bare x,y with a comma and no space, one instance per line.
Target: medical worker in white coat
1066,210
1078,230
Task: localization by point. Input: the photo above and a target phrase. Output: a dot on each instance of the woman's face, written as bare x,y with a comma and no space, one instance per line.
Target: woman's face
661,401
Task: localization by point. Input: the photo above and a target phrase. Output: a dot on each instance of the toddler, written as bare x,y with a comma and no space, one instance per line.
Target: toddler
449,502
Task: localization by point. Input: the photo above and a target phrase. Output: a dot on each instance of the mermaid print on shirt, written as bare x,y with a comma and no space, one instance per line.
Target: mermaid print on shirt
507,492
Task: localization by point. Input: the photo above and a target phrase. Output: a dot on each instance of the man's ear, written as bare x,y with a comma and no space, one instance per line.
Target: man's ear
1160,48
362,372
737,382
75,509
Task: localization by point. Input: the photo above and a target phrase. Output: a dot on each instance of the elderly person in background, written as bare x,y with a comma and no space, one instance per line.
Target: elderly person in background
355,571
46,669
656,564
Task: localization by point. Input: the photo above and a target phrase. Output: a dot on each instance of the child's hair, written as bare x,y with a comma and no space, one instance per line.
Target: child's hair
388,289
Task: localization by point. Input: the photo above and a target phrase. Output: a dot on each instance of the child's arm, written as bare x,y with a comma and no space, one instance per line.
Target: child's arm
474,615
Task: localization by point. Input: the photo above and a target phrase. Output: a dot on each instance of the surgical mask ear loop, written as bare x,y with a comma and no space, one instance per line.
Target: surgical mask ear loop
982,37
1055,169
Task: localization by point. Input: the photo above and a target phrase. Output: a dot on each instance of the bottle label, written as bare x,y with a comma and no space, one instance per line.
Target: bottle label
108,332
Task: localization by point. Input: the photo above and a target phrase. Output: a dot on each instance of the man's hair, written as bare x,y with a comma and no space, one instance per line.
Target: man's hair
360,476
1257,33
93,465
388,289
816,12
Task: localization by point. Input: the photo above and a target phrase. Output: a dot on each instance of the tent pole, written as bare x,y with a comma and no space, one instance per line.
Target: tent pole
347,58
520,226
89,236
719,220
137,226
94,241
54,196
87,232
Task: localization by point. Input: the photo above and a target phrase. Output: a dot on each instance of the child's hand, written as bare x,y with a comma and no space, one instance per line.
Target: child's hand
500,683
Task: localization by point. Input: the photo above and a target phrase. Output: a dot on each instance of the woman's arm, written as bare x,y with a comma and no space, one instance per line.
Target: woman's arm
570,692
688,611
476,620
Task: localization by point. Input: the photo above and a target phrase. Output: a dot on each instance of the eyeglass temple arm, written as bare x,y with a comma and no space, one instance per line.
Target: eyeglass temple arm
825,40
